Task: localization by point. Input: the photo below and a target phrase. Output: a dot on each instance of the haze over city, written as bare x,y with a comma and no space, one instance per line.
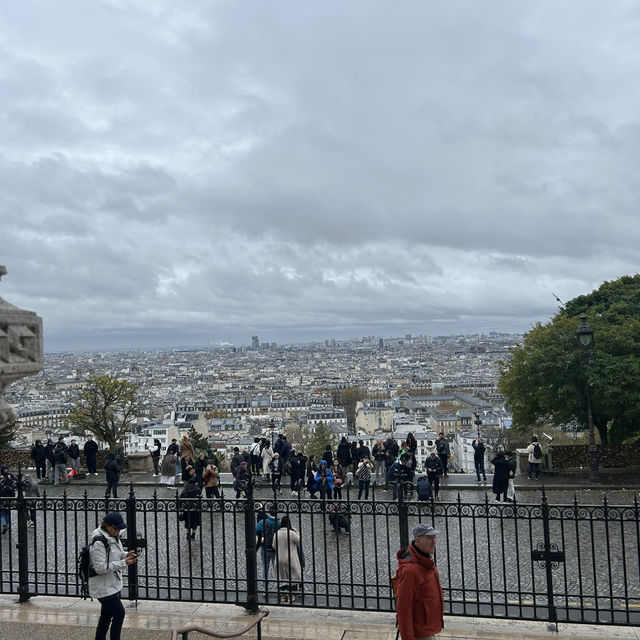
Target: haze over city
190,174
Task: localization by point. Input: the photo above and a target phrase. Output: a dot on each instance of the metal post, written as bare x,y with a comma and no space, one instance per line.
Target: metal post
593,449
22,544
132,543
250,548
403,511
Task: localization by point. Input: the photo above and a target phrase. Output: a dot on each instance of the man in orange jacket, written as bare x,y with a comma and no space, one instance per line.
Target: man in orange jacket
419,599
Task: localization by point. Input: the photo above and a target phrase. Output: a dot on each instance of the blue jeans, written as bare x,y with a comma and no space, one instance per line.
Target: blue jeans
111,613
268,559
480,470
4,517
534,468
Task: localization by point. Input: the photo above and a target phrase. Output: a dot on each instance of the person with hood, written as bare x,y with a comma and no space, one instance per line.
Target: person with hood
190,505
423,488
39,456
8,484
419,597
324,481
74,456
266,529
113,470
286,542
108,560
60,463
168,469
90,454
275,467
500,475
344,453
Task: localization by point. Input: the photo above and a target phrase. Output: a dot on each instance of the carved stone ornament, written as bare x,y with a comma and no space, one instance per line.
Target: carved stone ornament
20,348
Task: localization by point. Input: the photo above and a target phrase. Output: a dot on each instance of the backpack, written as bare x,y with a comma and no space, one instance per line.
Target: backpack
537,451
7,489
84,568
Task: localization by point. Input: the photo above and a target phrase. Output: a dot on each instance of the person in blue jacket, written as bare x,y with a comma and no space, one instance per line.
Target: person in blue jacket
324,480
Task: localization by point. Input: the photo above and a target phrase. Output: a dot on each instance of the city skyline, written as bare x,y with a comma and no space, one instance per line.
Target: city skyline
181,175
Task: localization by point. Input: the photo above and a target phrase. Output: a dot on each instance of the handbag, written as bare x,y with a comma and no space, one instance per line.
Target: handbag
337,482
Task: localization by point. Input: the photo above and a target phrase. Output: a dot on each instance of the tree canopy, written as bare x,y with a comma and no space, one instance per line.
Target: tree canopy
546,378
322,436
106,409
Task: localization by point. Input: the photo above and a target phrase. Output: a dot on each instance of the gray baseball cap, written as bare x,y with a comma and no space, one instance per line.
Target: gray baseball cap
424,530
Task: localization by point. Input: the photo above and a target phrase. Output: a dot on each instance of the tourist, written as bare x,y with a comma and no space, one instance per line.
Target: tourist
90,454
265,531
500,475
363,473
339,518
354,457
241,479
175,450
155,457
190,505
285,451
535,457
434,468
267,457
311,474
74,457
411,443
419,597
290,561
275,467
8,485
478,458
389,461
297,463
379,455
50,463
511,490
442,447
392,446
339,479
344,453
328,455
118,450
363,451
399,475
199,467
107,561
211,478
60,463
324,481
423,488
39,456
113,470
187,456
168,469
236,459
254,457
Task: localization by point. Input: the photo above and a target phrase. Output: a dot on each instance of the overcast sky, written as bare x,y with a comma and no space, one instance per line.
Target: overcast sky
177,173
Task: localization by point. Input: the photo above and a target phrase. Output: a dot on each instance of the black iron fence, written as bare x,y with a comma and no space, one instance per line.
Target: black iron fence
562,563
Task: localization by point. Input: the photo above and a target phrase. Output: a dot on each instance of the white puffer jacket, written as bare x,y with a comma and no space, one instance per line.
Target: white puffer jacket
109,578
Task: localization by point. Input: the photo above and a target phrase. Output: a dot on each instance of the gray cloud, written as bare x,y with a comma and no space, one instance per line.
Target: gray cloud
173,174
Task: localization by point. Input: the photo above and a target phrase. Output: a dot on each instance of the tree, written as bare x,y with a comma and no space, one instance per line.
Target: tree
106,409
8,429
320,439
546,378
199,442
298,437
348,398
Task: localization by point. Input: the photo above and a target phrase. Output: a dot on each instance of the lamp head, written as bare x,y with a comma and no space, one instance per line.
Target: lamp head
584,333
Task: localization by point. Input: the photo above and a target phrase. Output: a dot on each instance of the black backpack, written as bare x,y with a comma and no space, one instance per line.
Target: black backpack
84,568
267,540
537,451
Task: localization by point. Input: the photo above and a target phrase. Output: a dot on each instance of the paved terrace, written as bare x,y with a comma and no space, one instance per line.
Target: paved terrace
44,618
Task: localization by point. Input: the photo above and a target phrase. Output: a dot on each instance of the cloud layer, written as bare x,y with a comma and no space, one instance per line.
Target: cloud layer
174,174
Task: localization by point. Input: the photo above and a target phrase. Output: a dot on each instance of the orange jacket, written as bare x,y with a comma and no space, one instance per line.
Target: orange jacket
419,599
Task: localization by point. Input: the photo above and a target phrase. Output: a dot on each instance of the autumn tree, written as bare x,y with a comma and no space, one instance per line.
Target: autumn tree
349,398
106,409
298,437
546,378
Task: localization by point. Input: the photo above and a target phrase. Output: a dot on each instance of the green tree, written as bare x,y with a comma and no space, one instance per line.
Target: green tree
318,442
106,409
546,378
8,428
199,442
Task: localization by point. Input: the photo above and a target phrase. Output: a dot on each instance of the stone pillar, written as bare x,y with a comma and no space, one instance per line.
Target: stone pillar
20,349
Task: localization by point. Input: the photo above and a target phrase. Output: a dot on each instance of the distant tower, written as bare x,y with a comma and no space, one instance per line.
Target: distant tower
381,344
255,343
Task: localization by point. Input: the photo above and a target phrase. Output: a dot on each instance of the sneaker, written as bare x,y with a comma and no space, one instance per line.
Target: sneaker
294,493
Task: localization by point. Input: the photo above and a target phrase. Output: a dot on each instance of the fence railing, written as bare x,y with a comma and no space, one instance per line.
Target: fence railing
561,563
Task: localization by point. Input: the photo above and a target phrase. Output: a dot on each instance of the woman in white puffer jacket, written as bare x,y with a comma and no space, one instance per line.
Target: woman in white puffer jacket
108,564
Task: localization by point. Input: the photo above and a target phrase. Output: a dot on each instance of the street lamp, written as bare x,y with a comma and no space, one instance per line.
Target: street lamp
584,335
477,422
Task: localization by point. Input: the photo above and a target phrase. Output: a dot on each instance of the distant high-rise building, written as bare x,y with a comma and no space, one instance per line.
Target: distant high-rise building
381,343
255,343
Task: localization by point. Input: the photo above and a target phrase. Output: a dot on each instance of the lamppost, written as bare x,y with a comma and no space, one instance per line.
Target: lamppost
478,423
584,335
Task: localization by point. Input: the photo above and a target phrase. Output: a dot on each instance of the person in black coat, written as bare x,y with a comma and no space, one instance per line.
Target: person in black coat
434,468
363,451
423,488
39,456
49,460
354,456
90,452
297,463
478,458
344,453
113,470
500,475
190,507
328,456
74,456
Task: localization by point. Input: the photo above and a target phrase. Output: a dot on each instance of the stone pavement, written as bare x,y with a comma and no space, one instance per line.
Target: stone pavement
47,618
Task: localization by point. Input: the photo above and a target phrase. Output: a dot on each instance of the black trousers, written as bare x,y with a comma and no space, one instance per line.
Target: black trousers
91,464
111,613
41,469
